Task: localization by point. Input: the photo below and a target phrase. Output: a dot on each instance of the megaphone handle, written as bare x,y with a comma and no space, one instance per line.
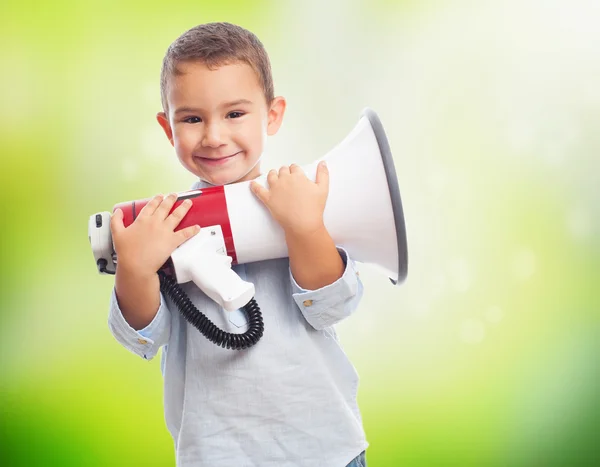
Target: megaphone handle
213,275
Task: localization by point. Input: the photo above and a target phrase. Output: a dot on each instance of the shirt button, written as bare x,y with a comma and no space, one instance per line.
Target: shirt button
307,302
142,341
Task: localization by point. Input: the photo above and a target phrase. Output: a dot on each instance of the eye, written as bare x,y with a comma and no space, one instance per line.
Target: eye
192,120
235,114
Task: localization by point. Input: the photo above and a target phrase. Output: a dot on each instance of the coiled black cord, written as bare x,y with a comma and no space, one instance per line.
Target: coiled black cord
195,317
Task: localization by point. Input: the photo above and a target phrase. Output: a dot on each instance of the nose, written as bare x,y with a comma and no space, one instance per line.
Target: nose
213,136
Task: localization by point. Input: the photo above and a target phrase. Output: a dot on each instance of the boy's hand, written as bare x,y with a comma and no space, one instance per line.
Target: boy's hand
147,243
295,202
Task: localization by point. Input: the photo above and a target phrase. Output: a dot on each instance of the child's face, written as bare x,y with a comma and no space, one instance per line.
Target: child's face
218,121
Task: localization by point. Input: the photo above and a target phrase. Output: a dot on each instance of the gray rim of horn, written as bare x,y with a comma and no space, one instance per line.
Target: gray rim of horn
392,179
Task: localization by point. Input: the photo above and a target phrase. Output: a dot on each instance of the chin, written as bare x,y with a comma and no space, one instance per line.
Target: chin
222,179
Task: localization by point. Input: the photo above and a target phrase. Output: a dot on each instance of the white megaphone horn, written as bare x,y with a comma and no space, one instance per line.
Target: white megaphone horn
363,215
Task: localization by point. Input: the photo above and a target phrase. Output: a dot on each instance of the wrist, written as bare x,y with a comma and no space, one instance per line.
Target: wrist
306,236
304,232
133,272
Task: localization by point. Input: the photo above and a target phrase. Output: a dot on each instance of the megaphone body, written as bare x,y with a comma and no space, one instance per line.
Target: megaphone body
363,215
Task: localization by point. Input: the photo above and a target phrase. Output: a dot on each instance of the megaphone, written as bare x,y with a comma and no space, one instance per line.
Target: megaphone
363,215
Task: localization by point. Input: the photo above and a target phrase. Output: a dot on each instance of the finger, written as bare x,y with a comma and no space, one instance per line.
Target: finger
295,168
151,206
185,234
179,213
322,178
163,210
284,170
260,191
272,177
116,222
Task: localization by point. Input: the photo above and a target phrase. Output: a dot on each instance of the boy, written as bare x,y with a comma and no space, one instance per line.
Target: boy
290,400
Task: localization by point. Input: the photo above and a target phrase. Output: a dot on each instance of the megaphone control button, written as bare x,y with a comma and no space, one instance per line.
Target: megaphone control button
142,341
307,302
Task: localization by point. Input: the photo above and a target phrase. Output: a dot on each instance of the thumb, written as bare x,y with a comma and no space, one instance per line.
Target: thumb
260,191
322,178
116,222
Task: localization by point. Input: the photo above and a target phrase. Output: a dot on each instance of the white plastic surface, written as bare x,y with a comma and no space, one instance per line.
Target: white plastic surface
203,260
101,240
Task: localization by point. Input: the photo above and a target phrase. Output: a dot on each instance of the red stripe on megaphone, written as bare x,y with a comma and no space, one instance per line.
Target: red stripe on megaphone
209,207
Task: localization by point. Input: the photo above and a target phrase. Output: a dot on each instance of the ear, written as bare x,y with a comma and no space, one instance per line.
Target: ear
163,121
275,115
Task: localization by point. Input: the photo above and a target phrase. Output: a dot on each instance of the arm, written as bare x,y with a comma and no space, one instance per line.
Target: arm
298,204
314,259
138,296
138,318
326,286
333,302
142,342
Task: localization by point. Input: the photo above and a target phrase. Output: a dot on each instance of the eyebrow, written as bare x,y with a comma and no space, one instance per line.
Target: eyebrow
226,105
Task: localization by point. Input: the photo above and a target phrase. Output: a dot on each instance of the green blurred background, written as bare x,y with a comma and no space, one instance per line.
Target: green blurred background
488,355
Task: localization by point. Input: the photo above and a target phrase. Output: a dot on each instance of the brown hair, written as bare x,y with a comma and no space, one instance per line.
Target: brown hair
214,45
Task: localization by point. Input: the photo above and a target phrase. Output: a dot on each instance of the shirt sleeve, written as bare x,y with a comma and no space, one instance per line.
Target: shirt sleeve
329,305
145,342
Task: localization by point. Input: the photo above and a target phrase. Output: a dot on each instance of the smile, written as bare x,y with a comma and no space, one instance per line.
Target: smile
216,162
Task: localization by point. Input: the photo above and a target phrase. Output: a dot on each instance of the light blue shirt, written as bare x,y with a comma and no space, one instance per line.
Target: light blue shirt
288,401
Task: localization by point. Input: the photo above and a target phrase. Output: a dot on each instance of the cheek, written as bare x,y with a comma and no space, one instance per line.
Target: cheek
183,138
254,137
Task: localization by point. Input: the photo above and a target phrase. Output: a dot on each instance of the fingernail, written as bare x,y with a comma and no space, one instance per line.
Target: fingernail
323,164
187,202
